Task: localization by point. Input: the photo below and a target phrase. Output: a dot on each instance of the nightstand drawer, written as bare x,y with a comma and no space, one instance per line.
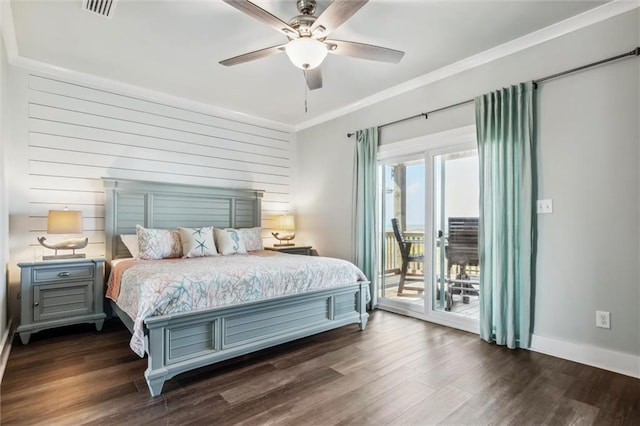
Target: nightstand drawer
63,300
303,250
62,273
306,251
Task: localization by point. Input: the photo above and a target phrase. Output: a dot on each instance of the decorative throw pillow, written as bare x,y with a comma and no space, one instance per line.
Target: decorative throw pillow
197,242
158,243
130,241
176,244
252,238
229,241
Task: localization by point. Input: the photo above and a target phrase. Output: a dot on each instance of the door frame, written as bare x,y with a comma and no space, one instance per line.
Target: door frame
428,146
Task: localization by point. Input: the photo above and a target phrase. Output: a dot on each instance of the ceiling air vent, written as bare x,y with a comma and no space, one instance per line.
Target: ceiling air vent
101,7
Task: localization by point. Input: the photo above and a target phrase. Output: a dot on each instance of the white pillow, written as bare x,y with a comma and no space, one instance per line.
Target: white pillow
197,242
229,241
130,241
252,238
158,243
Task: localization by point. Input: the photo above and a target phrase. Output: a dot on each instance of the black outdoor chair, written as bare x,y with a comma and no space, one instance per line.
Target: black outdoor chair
462,251
407,256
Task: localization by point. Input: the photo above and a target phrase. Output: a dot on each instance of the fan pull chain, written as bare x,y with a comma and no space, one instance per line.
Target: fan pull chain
306,91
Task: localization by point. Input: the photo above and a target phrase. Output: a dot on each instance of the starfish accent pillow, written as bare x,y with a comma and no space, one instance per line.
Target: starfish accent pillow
197,242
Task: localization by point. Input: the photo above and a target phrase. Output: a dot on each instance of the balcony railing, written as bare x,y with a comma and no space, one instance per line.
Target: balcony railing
393,258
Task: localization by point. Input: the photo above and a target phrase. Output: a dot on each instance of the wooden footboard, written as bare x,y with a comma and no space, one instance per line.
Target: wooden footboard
178,343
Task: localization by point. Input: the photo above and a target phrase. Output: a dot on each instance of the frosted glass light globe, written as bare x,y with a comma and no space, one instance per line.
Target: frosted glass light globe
306,52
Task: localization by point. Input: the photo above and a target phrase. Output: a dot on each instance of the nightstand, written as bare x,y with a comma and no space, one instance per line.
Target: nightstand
55,293
304,250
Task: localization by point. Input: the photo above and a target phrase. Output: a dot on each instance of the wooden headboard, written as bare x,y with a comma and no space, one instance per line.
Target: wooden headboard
166,206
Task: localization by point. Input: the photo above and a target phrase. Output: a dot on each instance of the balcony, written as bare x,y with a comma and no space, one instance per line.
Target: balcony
462,302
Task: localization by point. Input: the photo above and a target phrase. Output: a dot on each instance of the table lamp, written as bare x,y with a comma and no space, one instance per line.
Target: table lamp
284,222
64,222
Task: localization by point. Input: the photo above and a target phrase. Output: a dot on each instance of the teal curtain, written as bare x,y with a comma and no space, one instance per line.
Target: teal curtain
365,208
505,127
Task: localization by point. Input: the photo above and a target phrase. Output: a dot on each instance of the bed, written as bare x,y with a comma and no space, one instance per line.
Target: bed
177,342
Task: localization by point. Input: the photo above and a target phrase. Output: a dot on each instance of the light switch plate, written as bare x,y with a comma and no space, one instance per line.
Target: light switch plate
545,206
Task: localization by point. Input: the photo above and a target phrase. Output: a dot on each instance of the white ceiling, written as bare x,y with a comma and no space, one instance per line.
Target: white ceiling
173,46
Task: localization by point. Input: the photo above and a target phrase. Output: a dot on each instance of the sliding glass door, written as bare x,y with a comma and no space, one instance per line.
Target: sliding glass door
455,269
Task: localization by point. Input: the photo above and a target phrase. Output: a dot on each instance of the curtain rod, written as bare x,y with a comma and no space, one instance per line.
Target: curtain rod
634,52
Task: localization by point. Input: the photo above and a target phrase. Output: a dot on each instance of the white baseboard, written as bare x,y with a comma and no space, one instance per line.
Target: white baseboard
618,362
5,347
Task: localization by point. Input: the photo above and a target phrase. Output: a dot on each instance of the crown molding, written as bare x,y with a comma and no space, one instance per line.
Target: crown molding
585,19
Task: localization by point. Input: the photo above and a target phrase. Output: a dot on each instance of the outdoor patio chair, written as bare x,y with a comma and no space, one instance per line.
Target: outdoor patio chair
462,252
407,256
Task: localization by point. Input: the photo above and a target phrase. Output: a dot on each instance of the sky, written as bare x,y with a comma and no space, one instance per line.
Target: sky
461,190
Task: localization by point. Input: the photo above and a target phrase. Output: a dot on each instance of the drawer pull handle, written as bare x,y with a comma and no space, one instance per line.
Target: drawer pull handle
36,303
64,274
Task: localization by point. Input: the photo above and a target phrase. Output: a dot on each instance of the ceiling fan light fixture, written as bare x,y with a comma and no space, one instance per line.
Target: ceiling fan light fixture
306,52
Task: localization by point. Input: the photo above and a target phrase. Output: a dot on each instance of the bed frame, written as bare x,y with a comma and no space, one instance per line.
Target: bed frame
177,343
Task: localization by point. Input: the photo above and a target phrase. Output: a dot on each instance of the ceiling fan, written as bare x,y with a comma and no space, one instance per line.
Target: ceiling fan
308,44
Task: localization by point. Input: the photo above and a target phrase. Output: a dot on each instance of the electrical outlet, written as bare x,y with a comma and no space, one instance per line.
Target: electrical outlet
603,319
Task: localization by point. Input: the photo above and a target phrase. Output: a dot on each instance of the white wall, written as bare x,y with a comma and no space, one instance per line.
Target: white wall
588,160
67,134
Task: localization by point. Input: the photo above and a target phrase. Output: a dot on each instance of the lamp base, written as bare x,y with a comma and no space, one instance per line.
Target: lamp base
283,245
64,256
74,245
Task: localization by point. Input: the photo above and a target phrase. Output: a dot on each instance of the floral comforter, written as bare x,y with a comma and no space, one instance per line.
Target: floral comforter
145,288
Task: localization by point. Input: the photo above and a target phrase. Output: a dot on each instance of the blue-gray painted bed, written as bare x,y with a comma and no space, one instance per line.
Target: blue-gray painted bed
176,343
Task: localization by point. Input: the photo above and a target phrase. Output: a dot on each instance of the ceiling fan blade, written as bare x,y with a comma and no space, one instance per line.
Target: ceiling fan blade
364,51
335,15
263,16
252,56
314,78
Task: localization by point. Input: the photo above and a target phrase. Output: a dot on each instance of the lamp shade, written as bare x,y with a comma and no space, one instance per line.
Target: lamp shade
285,222
306,52
64,222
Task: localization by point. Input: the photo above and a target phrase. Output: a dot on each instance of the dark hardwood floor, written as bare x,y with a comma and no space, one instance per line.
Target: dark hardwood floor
399,371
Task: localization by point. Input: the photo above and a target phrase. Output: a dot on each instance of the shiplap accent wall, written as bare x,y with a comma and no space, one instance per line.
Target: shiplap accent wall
78,134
